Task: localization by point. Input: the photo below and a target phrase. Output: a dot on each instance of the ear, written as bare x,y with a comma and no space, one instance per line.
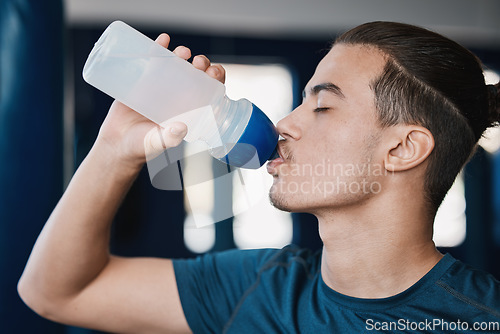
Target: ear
411,145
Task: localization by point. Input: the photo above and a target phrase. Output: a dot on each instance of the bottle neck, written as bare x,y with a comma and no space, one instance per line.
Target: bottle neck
231,118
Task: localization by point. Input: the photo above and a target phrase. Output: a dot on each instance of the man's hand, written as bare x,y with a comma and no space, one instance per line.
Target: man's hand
131,137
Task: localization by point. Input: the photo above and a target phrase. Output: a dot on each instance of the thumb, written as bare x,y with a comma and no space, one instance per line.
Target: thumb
173,134
159,139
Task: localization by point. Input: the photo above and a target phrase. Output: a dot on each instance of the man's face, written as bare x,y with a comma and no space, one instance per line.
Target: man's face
329,155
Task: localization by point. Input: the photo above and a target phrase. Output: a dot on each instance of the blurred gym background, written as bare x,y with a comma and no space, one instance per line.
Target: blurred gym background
49,119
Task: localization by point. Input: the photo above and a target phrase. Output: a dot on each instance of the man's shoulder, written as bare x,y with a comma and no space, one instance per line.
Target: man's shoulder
463,277
473,287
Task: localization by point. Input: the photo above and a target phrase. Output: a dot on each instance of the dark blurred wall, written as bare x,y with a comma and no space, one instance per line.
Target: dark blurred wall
31,106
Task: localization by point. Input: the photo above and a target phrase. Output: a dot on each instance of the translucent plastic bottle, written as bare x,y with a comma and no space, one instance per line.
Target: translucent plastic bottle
153,81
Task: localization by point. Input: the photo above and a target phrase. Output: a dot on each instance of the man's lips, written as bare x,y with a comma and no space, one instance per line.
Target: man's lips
273,165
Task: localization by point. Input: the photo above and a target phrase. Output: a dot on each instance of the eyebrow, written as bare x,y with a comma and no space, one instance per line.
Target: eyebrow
328,86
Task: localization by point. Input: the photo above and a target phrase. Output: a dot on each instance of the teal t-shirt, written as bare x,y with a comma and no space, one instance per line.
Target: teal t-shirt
281,291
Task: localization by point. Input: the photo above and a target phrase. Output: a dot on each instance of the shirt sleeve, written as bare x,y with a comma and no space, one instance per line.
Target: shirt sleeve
210,286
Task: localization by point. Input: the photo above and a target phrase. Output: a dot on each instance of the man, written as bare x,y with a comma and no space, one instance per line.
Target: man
399,109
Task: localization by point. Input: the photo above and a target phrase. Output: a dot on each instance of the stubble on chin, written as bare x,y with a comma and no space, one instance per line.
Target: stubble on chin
278,200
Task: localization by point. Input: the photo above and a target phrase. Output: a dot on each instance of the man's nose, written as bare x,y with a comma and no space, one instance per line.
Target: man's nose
289,126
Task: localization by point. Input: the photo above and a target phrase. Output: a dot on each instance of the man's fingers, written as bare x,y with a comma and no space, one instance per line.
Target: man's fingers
217,72
163,40
183,52
201,62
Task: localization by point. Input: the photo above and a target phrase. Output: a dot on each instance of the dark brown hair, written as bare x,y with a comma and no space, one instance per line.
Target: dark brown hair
432,81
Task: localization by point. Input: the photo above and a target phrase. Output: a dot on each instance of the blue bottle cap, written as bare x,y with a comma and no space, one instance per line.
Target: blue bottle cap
256,145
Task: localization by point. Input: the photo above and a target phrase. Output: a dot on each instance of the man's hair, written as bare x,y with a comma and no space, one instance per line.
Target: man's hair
432,81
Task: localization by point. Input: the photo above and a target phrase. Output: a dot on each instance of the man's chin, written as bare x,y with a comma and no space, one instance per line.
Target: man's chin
279,202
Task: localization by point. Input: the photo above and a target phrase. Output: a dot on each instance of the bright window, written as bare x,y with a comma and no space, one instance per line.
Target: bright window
450,223
270,88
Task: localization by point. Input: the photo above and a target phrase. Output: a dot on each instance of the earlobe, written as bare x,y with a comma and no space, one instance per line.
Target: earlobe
411,147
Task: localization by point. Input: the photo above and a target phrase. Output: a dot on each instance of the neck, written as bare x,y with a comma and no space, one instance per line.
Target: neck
374,253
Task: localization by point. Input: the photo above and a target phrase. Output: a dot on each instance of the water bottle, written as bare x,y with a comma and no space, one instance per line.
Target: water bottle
135,70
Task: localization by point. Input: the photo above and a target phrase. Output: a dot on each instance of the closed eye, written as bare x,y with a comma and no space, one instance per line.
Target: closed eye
321,109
